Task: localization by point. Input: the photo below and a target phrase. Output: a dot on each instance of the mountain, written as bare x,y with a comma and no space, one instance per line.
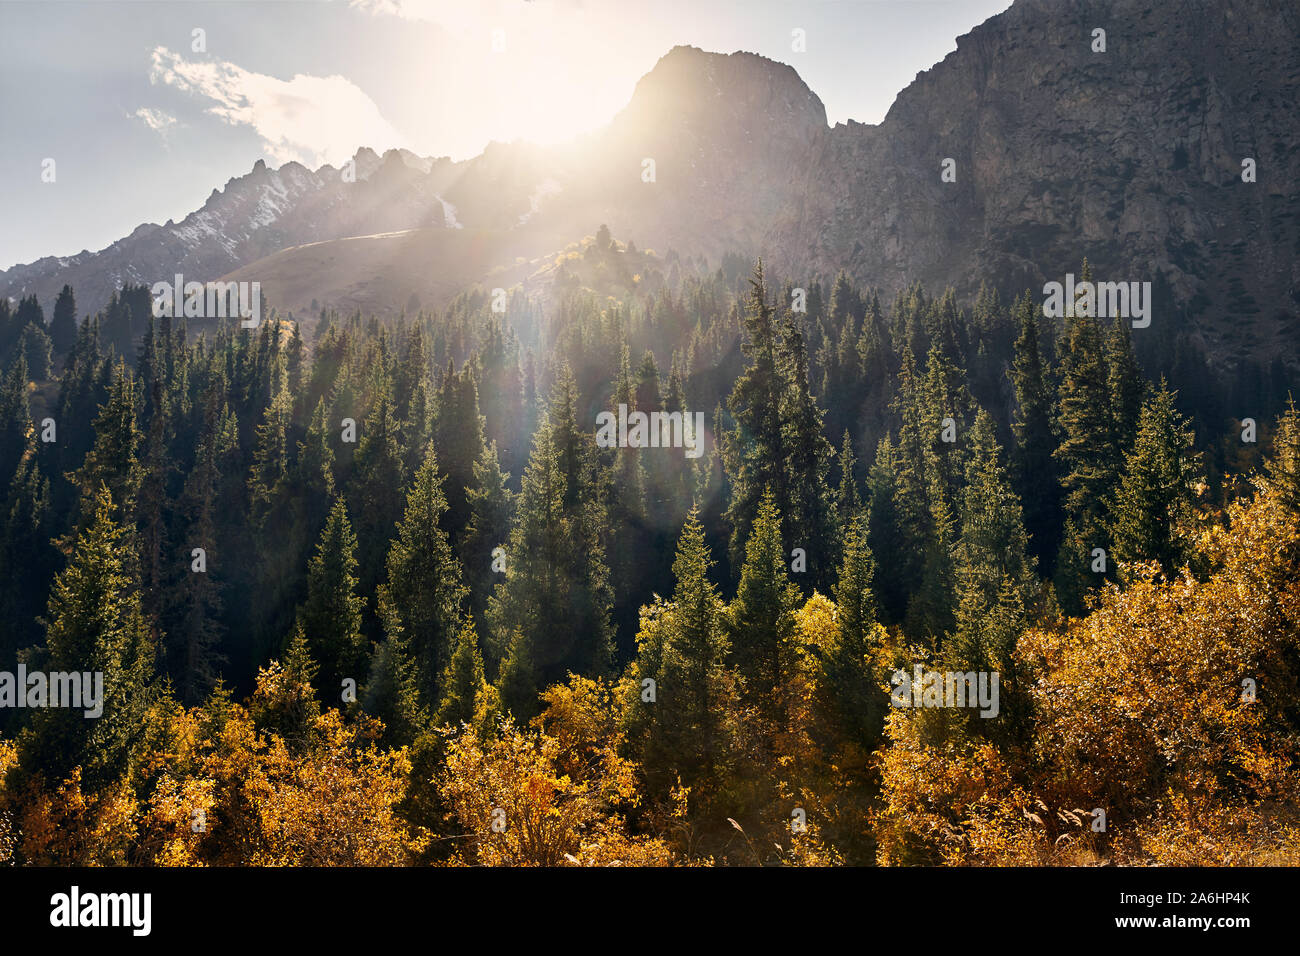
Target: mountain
1131,157
253,216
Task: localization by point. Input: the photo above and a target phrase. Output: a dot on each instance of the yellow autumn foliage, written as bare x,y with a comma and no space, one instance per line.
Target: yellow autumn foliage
1170,707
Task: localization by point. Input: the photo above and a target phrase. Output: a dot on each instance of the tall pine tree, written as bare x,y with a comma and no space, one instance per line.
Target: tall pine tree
330,619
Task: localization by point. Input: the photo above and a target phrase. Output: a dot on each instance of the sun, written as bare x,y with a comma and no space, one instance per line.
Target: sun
543,102
540,72
551,93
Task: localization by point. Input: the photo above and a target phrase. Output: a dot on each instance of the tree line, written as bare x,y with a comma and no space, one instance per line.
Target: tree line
370,597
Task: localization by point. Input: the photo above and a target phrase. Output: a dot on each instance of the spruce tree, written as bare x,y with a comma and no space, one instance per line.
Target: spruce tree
293,370
1156,497
754,451
288,707
113,461
551,613
28,560
279,538
375,495
648,398
330,619
885,533
920,509
1036,469
410,374
848,500
627,504
96,626
672,494
466,694
811,517
393,693
268,482
491,506
314,473
36,348
946,406
1127,387
81,392
193,635
931,607
685,732
418,425
760,621
991,556
848,666
28,315
1089,457
424,581
156,507
15,419
458,436
875,359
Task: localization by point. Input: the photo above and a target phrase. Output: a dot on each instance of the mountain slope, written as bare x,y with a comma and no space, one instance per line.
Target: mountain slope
251,217
1131,157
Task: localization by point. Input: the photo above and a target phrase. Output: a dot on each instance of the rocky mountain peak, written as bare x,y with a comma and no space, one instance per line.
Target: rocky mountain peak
691,85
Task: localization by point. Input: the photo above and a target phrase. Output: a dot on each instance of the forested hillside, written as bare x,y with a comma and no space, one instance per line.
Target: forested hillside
369,591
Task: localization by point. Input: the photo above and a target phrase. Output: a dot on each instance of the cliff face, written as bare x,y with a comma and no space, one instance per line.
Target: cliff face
1131,157
729,136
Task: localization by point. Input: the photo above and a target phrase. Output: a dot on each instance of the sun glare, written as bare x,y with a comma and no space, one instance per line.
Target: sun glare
533,71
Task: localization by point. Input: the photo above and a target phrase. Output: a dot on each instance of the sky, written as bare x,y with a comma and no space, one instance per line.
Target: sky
146,106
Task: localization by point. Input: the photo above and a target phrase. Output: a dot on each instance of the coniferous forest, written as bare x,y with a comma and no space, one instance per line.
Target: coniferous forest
368,590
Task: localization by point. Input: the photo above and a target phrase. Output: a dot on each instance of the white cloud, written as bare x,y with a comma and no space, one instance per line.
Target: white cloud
156,120
311,119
